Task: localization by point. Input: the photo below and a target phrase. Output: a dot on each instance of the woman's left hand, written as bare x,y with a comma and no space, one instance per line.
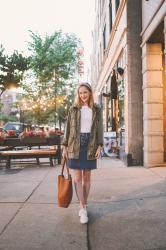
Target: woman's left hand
98,153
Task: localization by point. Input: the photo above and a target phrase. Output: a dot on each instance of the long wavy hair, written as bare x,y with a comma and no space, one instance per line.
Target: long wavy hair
91,98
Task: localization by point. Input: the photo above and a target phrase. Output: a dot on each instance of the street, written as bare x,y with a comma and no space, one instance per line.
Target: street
127,210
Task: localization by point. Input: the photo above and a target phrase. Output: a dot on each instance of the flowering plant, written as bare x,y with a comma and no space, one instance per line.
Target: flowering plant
28,133
11,133
33,136
40,133
56,132
32,133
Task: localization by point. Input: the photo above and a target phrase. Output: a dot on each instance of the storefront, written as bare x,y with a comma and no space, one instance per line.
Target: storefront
112,100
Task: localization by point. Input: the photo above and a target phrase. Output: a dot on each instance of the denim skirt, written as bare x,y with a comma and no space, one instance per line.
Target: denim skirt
82,163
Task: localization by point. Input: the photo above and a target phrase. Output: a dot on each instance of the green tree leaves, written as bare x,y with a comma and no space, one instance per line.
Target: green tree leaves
12,68
50,69
53,56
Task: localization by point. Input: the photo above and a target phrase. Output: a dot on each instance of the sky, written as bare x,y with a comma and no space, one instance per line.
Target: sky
45,16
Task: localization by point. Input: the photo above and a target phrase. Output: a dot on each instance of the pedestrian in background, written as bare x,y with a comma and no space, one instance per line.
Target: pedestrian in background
82,142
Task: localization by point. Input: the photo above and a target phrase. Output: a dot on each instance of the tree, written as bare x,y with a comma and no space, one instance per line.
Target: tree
53,63
53,56
12,69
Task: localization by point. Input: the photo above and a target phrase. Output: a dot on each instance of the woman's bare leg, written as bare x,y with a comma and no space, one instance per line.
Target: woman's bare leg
86,184
78,187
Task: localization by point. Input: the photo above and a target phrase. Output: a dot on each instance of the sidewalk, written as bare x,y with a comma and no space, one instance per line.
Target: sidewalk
127,210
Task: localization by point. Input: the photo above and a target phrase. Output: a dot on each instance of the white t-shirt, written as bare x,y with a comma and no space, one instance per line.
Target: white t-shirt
86,119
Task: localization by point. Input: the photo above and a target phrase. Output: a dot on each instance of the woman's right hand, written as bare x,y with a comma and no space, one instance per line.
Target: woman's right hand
65,153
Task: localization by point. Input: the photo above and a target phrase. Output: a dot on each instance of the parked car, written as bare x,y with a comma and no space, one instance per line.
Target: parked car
2,129
16,127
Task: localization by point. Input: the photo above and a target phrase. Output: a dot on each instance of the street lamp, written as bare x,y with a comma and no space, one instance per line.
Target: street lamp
18,116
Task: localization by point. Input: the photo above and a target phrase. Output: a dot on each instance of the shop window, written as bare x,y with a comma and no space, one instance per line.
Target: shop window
121,103
121,89
104,38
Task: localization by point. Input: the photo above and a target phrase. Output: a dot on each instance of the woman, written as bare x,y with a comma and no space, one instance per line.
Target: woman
82,142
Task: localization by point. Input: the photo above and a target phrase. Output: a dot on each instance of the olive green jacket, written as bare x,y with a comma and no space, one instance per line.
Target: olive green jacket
72,132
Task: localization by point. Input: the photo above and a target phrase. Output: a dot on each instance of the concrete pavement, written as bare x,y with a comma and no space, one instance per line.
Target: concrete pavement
127,210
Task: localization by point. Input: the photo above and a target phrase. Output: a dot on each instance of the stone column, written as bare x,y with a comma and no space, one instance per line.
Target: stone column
134,96
165,42
152,104
164,86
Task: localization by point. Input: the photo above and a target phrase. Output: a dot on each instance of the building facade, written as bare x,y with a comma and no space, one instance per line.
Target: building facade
117,73
129,52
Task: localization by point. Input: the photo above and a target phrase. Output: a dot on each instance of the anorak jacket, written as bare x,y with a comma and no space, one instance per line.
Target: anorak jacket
72,132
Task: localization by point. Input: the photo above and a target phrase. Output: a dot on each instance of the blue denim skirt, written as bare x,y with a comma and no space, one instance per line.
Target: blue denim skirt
82,163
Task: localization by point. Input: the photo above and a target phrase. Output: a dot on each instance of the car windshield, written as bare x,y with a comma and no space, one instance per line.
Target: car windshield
13,127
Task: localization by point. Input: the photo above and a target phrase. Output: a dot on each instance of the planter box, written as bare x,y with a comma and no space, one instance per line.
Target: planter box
35,139
53,136
12,136
2,142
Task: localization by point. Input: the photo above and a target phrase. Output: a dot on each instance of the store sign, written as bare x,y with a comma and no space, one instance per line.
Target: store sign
110,144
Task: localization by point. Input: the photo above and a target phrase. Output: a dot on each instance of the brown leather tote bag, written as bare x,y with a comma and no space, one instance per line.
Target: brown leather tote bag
65,188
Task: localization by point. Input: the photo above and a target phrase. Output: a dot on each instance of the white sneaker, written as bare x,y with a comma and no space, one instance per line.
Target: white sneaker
83,216
80,211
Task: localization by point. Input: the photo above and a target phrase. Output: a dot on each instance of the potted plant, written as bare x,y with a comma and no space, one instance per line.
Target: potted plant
30,136
11,133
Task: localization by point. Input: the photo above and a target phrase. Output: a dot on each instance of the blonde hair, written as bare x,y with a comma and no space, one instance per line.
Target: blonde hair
91,98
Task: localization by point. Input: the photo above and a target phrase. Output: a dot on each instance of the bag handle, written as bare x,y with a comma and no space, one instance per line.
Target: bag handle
65,163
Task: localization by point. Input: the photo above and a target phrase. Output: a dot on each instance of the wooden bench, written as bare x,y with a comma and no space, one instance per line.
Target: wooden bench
33,153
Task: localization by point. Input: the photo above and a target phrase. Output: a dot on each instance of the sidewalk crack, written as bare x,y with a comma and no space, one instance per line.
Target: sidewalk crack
157,174
88,237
